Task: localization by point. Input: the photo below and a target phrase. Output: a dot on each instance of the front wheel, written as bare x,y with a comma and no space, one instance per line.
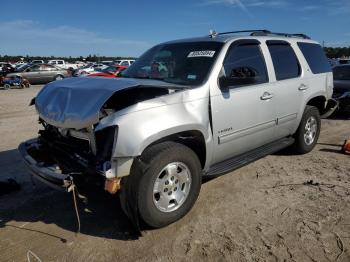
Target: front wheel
166,180
308,131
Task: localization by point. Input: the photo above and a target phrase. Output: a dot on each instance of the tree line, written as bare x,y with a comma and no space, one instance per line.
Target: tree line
70,59
331,52
337,52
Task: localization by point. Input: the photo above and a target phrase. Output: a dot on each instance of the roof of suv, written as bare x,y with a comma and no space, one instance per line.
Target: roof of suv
226,37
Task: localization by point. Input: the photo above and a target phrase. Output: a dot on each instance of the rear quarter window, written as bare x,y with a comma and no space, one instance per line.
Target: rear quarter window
315,57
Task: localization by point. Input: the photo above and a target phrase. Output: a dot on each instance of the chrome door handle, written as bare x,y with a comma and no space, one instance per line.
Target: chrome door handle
303,87
266,96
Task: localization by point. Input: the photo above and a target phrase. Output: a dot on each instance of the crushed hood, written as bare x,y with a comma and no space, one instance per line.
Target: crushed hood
76,102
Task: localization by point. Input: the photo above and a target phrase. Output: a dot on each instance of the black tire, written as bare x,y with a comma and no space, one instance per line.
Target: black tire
301,146
7,86
59,77
144,172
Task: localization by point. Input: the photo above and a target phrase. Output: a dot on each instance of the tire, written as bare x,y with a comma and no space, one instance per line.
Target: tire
59,77
150,183
310,124
7,86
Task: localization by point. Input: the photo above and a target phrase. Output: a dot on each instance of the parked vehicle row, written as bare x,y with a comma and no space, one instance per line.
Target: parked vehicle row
40,73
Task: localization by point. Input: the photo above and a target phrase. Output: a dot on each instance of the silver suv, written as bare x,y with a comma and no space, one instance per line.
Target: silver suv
186,109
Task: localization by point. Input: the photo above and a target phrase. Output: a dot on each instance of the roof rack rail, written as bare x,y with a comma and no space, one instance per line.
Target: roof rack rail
285,35
214,34
259,32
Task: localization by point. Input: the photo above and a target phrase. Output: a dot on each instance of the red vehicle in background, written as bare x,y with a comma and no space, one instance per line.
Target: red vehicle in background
109,72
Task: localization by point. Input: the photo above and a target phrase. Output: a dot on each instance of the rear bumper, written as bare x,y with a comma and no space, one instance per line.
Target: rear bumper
344,100
332,105
46,174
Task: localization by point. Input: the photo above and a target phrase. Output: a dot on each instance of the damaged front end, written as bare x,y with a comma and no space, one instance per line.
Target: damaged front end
60,155
73,144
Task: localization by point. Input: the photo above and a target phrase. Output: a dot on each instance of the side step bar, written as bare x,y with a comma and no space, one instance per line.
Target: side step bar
246,158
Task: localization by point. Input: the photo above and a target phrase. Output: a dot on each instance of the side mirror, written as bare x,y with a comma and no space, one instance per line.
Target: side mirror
242,75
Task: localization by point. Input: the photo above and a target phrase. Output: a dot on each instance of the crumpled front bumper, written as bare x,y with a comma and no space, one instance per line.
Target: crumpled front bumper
44,173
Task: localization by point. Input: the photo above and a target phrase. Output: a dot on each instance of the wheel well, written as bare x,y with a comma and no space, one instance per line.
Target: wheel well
192,139
319,102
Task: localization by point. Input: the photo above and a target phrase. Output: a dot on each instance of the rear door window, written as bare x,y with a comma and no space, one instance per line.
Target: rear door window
315,57
284,60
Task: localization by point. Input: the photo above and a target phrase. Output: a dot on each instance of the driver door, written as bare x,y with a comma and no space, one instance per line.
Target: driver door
244,114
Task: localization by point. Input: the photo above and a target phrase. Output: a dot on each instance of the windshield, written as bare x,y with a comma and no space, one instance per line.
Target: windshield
23,67
110,69
87,66
341,73
179,63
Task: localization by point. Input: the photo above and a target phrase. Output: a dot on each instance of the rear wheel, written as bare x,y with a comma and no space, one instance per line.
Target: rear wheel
308,131
7,86
166,181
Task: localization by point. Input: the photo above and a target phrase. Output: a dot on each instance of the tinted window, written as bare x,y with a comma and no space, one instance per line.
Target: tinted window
344,61
35,68
245,65
284,60
48,68
341,72
60,62
315,57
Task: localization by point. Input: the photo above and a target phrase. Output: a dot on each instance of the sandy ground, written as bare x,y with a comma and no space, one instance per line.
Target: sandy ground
261,212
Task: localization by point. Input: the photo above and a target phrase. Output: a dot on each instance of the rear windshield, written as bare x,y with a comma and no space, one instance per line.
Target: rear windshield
341,73
315,57
179,63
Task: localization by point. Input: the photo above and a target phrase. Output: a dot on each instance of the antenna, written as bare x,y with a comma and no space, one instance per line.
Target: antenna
212,33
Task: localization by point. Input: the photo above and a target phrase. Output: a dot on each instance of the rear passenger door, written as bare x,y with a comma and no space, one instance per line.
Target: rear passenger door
289,86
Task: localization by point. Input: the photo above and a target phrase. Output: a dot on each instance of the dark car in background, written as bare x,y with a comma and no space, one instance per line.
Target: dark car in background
341,91
40,73
6,68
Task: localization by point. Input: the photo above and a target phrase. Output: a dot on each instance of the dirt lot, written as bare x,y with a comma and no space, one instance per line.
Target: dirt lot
261,212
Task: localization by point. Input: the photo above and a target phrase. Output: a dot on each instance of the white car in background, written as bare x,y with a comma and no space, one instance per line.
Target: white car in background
62,64
124,62
85,70
37,62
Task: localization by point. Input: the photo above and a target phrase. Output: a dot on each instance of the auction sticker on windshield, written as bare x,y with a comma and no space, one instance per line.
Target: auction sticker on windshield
204,53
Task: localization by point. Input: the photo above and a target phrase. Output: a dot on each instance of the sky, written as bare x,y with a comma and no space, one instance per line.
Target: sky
128,28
